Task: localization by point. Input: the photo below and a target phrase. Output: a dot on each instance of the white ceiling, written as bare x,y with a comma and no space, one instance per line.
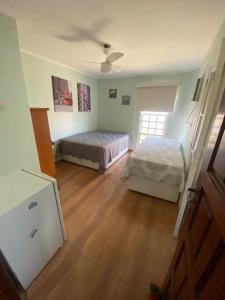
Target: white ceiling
157,36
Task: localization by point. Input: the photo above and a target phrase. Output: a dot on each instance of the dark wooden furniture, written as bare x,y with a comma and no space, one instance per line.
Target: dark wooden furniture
198,267
10,288
43,140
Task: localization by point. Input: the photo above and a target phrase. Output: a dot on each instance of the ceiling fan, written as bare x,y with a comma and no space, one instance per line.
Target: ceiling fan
107,65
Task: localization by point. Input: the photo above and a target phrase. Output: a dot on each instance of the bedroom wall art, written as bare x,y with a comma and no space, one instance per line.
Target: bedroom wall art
198,89
84,97
62,94
112,93
126,100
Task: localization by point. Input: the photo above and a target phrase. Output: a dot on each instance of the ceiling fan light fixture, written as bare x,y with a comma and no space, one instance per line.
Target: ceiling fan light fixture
106,68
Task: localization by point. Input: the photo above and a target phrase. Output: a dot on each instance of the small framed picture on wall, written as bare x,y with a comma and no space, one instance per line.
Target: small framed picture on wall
112,93
198,89
84,97
126,100
62,94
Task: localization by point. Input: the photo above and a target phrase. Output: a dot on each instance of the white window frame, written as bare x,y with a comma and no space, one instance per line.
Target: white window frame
152,129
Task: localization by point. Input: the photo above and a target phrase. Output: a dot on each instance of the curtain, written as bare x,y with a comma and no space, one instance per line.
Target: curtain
157,98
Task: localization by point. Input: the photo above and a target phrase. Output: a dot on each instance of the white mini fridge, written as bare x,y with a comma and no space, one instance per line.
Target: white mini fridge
31,223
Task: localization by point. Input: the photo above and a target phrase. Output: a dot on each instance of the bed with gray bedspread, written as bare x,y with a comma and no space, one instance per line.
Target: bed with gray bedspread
97,146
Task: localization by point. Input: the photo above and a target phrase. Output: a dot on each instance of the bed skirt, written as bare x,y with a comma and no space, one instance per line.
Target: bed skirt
160,190
89,163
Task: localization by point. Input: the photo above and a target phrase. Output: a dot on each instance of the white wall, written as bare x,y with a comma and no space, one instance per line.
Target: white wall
17,144
208,64
37,73
214,50
114,116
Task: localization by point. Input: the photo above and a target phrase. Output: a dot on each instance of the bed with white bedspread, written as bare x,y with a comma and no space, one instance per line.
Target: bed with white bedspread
156,168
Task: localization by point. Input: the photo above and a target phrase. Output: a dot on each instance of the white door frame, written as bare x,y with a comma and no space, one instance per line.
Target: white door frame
206,91
213,101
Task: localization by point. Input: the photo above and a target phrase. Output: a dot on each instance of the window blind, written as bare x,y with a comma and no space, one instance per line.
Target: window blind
157,98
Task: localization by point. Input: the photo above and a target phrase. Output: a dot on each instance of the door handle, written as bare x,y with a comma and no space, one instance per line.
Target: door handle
32,204
193,190
34,231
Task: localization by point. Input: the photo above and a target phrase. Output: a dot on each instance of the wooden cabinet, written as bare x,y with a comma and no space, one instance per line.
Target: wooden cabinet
43,140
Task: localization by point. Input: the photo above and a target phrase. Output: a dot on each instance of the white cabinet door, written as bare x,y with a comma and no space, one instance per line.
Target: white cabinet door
30,234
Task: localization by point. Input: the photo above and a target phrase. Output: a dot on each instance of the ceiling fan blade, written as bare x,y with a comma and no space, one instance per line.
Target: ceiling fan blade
88,33
69,38
114,56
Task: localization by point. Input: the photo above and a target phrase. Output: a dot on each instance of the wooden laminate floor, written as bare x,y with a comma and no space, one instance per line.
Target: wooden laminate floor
118,240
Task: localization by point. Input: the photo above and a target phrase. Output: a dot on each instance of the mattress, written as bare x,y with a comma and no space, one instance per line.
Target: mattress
158,159
96,146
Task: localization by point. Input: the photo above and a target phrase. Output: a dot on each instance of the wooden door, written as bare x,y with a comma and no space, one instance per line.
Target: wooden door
198,267
43,140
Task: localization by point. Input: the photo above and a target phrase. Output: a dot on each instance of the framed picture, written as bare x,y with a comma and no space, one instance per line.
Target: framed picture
112,93
126,100
62,94
198,89
84,97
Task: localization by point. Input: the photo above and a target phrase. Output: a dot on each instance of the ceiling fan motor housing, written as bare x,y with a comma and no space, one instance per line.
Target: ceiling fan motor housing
106,48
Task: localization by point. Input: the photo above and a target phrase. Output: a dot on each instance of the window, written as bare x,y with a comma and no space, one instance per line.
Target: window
151,123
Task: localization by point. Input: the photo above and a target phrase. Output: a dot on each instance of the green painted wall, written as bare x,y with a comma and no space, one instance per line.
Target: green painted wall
106,114
17,145
37,73
114,116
